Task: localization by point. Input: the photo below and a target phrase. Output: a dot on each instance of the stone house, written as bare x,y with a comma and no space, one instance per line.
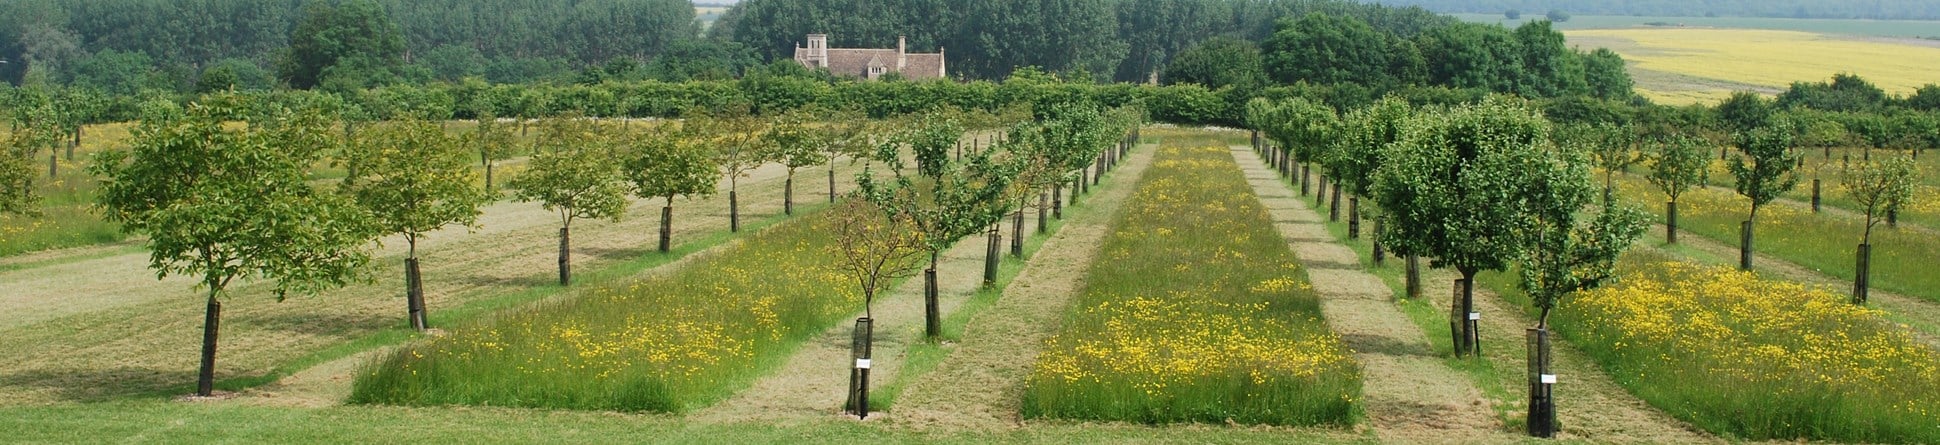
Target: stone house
869,63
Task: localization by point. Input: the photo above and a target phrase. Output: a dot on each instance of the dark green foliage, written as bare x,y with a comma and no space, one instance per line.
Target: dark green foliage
1217,63
1334,49
355,38
1846,92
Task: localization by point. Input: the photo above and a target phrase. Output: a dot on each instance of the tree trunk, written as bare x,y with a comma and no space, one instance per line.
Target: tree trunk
1333,205
1744,246
1862,278
666,228
1017,233
1077,189
1542,401
1670,222
1471,327
1320,191
488,178
205,377
1414,277
1304,171
831,182
932,322
1057,201
1380,254
414,294
1043,205
788,196
1892,217
565,256
734,212
860,351
991,257
1815,195
1354,217
53,165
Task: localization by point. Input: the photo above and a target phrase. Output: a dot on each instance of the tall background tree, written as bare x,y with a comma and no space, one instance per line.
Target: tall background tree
220,204
355,38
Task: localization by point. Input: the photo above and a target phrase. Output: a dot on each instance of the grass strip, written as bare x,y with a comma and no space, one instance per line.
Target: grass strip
1196,312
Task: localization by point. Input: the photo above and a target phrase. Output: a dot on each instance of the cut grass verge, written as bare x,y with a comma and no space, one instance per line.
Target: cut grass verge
1196,312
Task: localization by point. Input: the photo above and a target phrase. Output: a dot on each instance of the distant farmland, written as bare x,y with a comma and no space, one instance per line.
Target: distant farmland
1680,66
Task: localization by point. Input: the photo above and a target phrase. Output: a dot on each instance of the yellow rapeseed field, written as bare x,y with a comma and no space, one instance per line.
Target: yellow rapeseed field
1762,58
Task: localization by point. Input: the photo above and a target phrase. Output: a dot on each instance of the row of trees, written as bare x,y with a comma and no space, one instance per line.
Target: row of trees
1474,187
225,203
909,211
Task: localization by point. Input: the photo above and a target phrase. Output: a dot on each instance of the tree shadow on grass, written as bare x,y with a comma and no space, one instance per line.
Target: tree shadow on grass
102,384
1375,344
338,326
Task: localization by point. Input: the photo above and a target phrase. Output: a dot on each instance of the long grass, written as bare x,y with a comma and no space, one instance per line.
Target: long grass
1196,311
1902,258
1757,359
664,344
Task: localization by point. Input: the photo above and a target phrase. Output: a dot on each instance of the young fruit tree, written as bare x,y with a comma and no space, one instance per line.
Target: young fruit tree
572,172
18,192
1880,187
1455,191
848,135
1610,148
1299,125
1357,151
946,201
1677,164
221,203
663,164
736,138
1563,255
792,142
494,142
1767,169
413,179
878,248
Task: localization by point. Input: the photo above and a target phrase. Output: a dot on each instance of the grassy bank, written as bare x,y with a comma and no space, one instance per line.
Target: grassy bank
1196,311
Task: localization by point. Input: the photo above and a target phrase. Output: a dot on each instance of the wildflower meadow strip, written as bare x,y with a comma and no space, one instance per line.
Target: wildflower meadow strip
668,343
1196,311
1758,359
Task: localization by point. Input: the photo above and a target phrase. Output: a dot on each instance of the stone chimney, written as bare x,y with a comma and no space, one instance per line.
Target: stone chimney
902,53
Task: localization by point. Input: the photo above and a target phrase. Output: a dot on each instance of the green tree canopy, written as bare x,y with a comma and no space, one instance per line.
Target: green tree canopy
328,35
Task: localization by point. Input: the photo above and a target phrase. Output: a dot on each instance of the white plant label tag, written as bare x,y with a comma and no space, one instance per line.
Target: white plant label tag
862,363
1549,379
1475,315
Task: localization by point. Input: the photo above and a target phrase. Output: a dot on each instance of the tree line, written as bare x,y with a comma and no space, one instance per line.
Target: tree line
1800,9
168,45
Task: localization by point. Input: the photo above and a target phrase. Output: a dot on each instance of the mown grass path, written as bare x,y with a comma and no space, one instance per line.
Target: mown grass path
1411,395
981,384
